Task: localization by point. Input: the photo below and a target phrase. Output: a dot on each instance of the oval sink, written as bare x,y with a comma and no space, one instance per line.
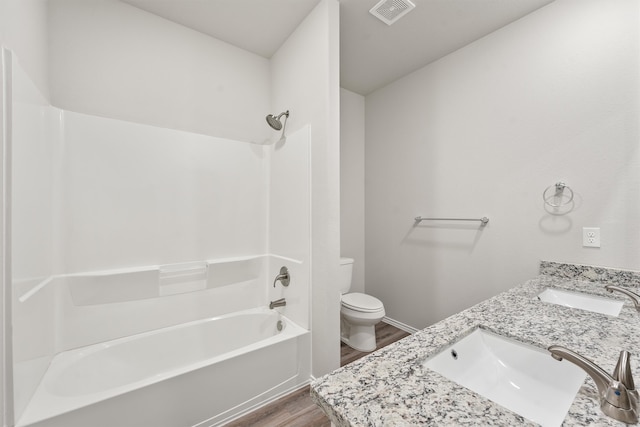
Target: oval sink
582,301
520,377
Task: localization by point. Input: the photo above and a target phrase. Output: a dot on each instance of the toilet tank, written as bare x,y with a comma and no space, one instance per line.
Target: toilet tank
346,271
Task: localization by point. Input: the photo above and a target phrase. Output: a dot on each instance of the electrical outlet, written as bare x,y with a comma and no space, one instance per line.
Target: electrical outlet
591,237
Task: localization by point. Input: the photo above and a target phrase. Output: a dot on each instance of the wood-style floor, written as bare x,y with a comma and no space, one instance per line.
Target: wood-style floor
297,409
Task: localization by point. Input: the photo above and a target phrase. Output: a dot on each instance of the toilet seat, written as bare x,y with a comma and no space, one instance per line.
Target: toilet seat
362,302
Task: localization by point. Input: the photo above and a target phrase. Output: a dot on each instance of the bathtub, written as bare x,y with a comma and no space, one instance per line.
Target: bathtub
200,373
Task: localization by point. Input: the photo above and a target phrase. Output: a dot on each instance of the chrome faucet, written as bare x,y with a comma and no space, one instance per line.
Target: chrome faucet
618,397
635,297
277,303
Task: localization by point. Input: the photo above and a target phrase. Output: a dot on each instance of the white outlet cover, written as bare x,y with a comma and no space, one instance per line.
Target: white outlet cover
591,237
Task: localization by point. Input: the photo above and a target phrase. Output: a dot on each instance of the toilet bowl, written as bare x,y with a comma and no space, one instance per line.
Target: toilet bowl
359,313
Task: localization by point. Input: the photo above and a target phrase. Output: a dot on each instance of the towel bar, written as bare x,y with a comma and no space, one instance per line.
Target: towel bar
484,220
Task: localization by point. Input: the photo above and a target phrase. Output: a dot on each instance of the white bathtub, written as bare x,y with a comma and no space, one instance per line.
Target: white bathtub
195,374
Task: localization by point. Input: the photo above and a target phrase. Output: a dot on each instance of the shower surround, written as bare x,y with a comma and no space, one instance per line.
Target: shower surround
121,228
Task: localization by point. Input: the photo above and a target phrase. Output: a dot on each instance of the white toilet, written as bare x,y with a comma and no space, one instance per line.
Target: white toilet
359,313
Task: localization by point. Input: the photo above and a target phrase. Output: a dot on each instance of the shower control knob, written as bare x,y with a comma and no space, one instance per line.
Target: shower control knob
283,277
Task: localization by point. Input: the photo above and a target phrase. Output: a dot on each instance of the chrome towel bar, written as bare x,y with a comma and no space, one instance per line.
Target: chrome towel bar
484,220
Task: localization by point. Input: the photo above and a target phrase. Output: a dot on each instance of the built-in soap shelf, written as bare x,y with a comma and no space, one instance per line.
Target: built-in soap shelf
181,278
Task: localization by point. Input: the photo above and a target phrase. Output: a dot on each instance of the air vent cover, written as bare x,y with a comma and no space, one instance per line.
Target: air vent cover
389,11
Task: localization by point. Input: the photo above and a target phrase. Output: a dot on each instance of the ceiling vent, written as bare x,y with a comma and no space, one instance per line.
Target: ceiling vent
389,11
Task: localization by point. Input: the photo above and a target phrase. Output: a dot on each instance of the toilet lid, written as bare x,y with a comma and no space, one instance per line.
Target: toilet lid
361,302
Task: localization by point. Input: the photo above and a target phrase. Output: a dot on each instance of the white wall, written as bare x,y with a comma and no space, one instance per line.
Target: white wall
32,180
111,59
352,206
32,245
305,80
289,229
552,97
23,30
6,362
134,195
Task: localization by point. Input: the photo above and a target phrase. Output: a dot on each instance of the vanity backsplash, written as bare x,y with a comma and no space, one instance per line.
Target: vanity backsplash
587,273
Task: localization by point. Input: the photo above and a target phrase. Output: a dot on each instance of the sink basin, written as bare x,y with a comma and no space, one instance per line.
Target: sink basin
520,377
582,301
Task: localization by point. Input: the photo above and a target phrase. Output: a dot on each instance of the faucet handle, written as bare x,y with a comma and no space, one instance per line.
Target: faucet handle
621,398
283,277
622,371
619,405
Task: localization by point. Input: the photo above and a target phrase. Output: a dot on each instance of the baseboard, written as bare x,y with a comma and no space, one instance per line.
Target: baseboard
400,325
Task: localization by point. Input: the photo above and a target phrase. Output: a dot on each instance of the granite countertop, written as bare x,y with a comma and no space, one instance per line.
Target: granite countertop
390,387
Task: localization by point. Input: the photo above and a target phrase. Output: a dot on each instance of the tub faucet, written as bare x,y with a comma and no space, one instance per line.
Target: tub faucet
635,297
277,303
618,397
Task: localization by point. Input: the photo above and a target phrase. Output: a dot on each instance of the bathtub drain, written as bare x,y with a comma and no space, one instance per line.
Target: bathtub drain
279,325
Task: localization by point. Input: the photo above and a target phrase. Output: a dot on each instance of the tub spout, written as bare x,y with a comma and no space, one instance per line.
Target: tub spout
616,400
635,297
277,303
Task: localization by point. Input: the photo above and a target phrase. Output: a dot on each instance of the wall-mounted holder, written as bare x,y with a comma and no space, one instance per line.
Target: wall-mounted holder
558,198
283,277
483,221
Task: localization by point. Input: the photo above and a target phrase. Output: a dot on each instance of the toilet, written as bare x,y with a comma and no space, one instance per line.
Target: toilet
359,313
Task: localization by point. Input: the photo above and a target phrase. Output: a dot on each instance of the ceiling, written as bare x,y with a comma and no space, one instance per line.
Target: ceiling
372,54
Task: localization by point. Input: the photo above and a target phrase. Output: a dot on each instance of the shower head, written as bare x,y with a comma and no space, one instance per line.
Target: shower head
275,122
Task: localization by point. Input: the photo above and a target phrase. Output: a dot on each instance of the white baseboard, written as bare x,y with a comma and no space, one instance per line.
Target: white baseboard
400,325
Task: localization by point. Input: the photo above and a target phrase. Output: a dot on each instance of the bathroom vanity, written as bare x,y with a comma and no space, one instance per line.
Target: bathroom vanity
393,387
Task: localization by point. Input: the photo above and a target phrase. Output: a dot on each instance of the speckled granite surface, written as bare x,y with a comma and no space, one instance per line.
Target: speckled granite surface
607,276
390,387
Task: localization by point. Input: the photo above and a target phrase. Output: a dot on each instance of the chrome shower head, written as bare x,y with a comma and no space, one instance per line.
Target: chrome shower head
275,122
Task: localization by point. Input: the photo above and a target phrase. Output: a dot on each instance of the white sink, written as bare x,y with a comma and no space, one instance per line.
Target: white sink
582,301
520,377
